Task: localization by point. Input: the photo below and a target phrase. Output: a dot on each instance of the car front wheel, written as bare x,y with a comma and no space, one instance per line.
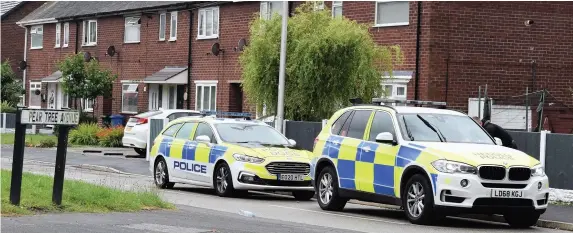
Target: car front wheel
161,175
418,201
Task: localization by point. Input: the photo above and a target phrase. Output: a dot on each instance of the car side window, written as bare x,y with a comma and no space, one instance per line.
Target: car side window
337,126
185,131
382,122
204,129
358,123
172,130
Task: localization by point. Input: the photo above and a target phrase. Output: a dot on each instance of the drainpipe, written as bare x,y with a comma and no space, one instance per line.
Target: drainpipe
418,33
25,59
189,60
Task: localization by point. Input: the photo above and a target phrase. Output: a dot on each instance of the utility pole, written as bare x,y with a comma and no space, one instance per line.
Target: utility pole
280,110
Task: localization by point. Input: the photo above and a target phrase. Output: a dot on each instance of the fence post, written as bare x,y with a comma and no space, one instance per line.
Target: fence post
4,122
284,127
542,147
324,121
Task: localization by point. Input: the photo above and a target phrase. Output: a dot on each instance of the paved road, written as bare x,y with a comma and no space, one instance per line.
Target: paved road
203,210
76,157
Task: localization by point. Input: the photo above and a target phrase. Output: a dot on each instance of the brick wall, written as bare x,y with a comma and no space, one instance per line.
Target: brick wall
13,35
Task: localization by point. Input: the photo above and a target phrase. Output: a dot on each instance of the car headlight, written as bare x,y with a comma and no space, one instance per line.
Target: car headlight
247,159
537,171
453,167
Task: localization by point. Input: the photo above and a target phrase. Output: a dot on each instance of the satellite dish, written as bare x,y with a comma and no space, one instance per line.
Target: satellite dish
22,65
242,44
87,56
111,51
215,49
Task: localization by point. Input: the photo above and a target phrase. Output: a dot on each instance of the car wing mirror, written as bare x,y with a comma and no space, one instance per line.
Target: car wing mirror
386,137
498,141
292,142
203,139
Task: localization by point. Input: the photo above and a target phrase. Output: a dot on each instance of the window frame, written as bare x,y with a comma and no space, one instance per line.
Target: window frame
31,92
203,12
269,12
123,92
175,126
66,100
337,4
35,28
86,103
340,118
58,41
164,24
376,24
138,26
204,84
195,133
66,38
393,132
86,35
173,26
318,5
365,126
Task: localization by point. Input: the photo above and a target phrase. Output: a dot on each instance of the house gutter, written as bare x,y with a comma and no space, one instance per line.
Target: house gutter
189,60
36,22
418,33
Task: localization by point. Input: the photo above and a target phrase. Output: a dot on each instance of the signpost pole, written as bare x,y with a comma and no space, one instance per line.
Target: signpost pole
17,160
60,164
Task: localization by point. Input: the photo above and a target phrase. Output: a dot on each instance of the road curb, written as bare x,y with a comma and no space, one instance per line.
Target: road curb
494,218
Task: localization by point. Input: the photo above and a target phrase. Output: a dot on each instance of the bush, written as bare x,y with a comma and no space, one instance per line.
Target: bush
87,118
85,134
47,143
111,137
6,107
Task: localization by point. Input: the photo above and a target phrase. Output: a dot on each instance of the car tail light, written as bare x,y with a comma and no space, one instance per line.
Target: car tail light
141,121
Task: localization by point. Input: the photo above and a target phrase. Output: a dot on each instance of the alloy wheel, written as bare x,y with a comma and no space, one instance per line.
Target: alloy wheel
222,175
415,199
325,188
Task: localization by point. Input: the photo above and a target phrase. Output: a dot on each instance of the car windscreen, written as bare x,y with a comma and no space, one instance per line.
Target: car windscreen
250,133
429,127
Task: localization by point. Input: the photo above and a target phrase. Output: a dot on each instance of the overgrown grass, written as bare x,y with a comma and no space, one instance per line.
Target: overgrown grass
78,196
8,138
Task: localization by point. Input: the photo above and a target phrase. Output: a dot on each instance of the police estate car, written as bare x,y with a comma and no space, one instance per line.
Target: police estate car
431,162
230,155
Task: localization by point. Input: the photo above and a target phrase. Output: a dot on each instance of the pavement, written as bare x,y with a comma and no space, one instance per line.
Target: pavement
199,210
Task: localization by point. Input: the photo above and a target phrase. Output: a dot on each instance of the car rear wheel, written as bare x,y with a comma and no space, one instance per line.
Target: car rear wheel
303,195
521,219
161,175
327,187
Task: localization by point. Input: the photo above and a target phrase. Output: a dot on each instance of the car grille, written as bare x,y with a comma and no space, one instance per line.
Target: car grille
492,173
509,186
519,173
503,202
288,168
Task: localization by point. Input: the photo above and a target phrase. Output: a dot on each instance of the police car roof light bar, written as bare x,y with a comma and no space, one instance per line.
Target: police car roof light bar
417,103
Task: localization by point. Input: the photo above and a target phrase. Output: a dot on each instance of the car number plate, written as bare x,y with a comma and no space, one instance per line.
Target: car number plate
128,128
291,177
500,193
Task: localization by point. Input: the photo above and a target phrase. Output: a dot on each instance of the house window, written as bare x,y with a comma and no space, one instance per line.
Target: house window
173,29
392,13
269,8
58,35
395,91
318,5
162,23
35,96
88,105
90,32
132,29
206,96
129,98
66,34
37,36
208,23
336,8
65,100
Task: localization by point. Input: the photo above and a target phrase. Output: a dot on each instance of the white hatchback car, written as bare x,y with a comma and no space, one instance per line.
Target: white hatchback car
135,132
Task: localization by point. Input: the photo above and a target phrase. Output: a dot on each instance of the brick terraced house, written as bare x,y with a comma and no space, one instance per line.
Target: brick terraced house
450,49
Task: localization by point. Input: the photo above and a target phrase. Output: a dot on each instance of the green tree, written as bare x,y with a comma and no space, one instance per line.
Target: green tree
85,80
329,61
11,86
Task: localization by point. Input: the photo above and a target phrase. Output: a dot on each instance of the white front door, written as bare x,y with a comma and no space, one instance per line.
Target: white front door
162,96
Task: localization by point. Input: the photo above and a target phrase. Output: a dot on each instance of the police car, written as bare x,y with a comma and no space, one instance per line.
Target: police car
230,155
432,162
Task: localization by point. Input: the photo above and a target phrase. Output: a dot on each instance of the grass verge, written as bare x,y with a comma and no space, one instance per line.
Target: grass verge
78,196
8,138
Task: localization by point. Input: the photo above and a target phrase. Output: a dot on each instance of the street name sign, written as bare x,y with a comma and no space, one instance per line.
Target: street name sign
49,117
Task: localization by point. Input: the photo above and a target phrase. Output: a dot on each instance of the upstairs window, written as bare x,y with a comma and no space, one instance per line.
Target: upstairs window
66,34
208,23
37,37
90,32
58,35
392,13
173,29
162,24
132,29
269,8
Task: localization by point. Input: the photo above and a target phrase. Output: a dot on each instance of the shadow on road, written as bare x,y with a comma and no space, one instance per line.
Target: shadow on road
250,196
